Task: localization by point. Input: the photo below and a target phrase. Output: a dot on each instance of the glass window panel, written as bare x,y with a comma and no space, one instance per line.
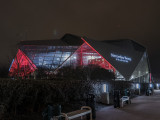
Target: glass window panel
56,62
141,69
58,55
50,54
48,62
48,58
56,58
58,52
42,56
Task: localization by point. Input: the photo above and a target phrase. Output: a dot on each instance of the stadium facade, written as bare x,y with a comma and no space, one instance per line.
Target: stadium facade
126,58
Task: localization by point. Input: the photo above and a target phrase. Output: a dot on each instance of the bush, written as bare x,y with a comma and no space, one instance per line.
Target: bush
32,96
68,87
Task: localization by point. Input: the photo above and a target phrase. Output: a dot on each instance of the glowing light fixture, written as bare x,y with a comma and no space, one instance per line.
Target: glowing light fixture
157,85
137,86
150,85
105,88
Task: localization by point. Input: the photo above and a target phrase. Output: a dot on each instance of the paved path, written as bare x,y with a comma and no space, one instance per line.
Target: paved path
142,108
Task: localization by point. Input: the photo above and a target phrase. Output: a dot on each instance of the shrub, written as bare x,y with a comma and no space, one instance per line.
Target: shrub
32,96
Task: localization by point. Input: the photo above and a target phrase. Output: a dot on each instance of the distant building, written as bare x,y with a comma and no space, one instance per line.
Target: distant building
126,58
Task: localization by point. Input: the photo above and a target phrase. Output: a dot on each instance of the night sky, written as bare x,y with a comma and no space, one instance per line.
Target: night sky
98,19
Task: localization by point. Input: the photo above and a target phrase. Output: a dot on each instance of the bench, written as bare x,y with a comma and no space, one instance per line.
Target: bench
78,113
125,99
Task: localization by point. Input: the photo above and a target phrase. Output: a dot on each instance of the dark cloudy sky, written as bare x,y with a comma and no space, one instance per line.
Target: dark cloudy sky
97,19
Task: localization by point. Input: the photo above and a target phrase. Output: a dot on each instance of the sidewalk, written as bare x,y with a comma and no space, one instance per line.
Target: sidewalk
142,108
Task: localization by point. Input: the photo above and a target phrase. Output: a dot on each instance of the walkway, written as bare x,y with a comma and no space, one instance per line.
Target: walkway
142,108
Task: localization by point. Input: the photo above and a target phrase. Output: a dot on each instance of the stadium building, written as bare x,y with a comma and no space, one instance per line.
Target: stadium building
126,58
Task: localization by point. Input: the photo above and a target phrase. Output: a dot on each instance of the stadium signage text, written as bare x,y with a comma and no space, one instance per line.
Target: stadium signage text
121,58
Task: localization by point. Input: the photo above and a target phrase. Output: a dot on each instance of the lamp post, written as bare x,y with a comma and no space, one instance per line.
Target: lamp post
139,83
157,86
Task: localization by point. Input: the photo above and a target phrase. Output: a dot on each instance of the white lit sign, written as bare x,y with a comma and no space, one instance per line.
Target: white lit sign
105,88
137,86
121,58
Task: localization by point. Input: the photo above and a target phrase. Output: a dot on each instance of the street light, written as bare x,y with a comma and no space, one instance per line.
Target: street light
105,88
157,86
139,72
150,85
137,86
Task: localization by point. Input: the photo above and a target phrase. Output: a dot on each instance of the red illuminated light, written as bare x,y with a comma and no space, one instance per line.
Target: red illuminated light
22,65
104,64
87,55
150,78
